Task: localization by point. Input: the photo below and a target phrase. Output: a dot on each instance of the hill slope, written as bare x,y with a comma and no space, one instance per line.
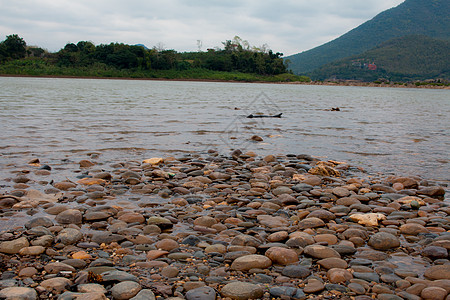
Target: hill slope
400,59
423,17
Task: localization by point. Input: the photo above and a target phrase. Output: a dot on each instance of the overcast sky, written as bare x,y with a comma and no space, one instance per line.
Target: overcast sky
288,26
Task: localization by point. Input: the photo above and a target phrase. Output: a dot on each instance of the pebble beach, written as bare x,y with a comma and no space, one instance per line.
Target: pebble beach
216,225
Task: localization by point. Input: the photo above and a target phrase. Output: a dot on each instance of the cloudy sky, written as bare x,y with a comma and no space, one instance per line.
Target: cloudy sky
288,26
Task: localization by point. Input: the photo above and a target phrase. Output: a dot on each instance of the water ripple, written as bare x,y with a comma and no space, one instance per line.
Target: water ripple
404,131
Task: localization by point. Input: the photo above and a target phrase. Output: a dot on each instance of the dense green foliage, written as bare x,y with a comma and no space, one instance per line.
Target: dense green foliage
237,61
13,47
42,67
401,59
430,18
232,58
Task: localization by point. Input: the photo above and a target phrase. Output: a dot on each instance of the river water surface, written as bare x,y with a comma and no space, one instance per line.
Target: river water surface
387,130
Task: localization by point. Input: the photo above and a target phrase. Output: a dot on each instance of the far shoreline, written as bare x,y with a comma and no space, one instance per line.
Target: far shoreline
319,83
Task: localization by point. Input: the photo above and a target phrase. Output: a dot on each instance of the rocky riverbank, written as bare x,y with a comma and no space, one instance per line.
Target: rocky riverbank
213,226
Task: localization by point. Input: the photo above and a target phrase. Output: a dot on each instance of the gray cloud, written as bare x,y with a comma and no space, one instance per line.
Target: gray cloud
289,26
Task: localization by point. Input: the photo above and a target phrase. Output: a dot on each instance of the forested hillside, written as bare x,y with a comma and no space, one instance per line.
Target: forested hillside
400,59
413,17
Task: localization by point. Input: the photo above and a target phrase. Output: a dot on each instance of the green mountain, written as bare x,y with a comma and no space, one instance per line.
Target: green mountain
412,17
407,58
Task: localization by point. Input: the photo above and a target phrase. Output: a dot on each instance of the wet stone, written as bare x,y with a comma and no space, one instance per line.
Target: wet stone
272,222
4,283
118,276
56,285
333,262
438,272
28,272
314,286
373,255
40,221
242,291
39,231
201,293
320,252
23,293
170,272
383,241
433,293
343,249
370,277
246,240
106,237
57,267
76,263
144,295
282,256
96,216
336,275
296,271
125,290
435,252
179,256
14,246
341,192
248,262
161,222
357,288
293,293
262,278
69,216
388,297
302,187
336,287
322,214
412,229
33,250
69,236
311,223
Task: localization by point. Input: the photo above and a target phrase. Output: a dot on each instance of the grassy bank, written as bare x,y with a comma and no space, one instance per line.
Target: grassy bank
40,67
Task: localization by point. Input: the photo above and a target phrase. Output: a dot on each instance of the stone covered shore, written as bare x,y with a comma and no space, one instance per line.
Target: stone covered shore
211,226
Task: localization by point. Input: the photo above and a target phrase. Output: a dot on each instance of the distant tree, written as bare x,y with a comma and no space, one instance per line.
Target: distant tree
159,47
3,53
102,51
86,47
35,51
71,47
14,46
166,60
67,56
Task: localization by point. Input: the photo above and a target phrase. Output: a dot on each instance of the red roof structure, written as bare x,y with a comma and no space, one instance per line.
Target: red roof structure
372,67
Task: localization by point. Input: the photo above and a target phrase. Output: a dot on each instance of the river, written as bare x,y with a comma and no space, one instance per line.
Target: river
383,130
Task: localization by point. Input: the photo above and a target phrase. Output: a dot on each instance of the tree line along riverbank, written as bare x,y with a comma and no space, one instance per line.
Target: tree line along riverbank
237,61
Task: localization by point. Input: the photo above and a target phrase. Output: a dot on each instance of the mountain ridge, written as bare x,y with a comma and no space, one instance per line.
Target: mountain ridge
407,58
429,18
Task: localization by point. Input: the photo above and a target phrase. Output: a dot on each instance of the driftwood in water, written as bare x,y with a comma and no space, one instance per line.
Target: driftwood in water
264,116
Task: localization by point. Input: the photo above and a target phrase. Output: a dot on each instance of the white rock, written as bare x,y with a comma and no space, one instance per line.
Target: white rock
370,219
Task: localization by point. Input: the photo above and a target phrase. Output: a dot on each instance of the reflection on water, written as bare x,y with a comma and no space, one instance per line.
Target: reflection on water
402,131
